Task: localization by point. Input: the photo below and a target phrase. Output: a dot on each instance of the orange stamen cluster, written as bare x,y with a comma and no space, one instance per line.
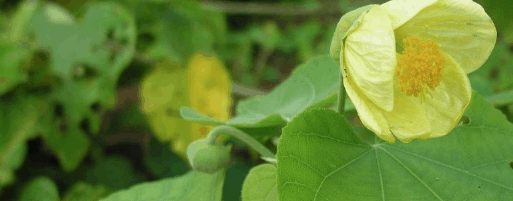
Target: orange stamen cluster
420,65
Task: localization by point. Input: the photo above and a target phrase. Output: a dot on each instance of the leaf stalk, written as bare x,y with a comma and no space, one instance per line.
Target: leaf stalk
240,135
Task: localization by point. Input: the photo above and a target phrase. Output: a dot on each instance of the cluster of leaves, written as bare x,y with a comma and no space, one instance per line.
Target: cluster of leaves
62,66
57,78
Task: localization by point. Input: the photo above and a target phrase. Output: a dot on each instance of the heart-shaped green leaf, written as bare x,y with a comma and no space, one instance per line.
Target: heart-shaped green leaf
320,158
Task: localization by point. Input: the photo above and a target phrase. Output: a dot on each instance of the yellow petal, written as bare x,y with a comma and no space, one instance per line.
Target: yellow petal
370,115
446,104
407,120
347,23
400,11
461,27
209,86
370,57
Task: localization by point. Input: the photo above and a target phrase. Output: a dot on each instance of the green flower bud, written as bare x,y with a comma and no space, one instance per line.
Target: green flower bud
208,158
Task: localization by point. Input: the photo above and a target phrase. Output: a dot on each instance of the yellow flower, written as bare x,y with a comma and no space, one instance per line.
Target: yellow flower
201,83
405,63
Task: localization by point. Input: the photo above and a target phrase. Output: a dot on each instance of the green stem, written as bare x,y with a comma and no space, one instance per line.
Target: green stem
341,95
227,130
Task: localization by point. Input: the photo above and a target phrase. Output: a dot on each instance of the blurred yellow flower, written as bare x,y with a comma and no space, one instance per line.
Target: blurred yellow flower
405,63
202,83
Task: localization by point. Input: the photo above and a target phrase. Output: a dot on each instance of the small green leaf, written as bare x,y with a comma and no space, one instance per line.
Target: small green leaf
192,186
85,192
41,189
320,158
260,184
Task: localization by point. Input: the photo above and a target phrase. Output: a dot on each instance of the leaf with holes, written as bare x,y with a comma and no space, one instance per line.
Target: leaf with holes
201,83
87,70
312,84
320,158
189,187
260,184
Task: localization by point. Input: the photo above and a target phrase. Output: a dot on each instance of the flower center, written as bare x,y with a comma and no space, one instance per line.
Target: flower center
420,66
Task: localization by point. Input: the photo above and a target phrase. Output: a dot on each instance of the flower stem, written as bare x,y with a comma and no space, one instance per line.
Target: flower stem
341,95
227,130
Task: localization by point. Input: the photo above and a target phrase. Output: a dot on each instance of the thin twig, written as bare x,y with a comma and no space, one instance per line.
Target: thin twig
271,8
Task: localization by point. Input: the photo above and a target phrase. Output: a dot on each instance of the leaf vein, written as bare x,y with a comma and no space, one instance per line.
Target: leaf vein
412,173
301,161
380,176
454,168
330,138
336,170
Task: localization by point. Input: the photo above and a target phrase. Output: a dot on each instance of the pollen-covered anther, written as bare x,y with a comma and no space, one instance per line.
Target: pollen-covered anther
420,66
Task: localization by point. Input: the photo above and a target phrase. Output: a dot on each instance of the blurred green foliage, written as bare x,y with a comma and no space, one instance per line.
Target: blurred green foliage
71,127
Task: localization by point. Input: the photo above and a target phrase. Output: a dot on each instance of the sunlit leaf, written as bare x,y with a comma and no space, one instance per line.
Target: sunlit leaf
87,69
320,158
192,186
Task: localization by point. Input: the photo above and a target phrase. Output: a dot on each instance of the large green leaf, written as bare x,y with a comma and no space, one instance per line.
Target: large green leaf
312,84
192,186
320,158
86,68
42,189
260,185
